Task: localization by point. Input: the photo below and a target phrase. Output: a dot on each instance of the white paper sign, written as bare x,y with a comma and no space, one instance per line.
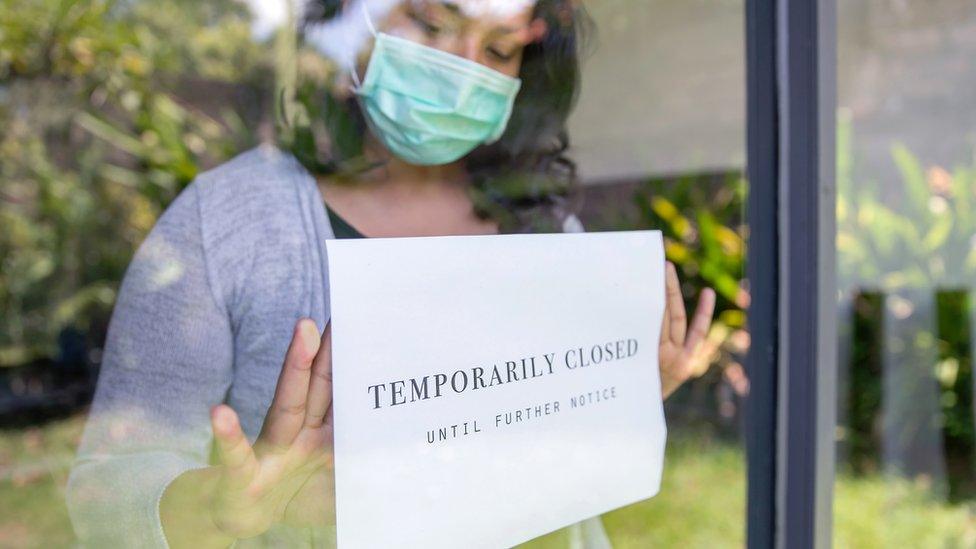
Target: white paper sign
491,389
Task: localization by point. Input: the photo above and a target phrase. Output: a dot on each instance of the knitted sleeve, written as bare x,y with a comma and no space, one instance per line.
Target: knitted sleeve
168,359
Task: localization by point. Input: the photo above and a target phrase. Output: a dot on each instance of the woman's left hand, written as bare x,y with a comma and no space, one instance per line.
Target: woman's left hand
679,343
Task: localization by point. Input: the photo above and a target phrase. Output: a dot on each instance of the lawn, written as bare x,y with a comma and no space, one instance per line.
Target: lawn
702,500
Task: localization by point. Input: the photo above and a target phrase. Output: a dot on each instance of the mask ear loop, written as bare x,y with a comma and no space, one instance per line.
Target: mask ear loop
372,29
357,87
368,17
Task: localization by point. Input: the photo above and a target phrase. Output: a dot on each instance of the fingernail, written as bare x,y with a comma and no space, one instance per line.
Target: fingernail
309,333
220,420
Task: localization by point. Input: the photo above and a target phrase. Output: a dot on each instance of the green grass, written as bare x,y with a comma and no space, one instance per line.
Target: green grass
702,501
886,512
34,466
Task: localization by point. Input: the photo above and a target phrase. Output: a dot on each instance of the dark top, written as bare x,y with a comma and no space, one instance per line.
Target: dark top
341,227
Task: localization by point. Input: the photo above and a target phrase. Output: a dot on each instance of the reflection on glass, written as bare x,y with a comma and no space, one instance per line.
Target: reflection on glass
906,265
122,107
659,136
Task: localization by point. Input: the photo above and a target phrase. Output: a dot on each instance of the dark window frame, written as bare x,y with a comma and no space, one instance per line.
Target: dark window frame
791,66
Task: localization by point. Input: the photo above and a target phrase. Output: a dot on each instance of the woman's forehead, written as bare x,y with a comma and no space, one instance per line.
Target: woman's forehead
483,8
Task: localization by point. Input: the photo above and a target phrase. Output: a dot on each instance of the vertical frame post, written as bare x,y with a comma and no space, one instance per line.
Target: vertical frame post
792,360
827,306
762,215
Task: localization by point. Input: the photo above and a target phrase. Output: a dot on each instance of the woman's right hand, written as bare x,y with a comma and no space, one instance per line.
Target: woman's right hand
285,474
259,481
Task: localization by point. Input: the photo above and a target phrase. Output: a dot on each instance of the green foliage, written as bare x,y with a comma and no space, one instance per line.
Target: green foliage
100,105
704,234
701,218
915,241
918,235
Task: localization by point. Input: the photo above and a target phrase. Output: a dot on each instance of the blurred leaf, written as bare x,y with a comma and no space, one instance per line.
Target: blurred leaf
15,355
939,233
913,178
676,251
669,212
99,294
963,184
104,130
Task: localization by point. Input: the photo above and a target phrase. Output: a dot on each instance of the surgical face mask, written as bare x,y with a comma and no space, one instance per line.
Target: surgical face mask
431,107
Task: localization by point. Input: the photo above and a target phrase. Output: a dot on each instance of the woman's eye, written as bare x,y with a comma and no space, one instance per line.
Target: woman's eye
501,55
425,25
431,28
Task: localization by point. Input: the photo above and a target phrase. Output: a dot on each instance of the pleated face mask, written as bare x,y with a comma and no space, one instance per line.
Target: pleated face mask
431,107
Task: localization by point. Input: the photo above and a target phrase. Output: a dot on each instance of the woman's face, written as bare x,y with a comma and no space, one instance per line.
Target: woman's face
490,32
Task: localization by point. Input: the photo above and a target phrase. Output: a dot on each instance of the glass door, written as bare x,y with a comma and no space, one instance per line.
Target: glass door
906,181
113,114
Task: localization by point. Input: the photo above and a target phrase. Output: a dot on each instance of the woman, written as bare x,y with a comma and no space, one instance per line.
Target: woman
215,341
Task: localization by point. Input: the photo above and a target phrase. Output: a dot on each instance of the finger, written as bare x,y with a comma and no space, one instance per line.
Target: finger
233,450
701,321
666,322
679,319
287,413
320,386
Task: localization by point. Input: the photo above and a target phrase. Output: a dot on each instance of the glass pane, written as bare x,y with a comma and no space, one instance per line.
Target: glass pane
153,266
659,134
906,177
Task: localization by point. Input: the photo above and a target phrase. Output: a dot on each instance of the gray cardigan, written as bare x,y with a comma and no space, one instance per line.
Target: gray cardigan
204,315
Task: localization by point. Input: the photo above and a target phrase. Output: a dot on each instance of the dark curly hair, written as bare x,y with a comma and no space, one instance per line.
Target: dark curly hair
525,181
